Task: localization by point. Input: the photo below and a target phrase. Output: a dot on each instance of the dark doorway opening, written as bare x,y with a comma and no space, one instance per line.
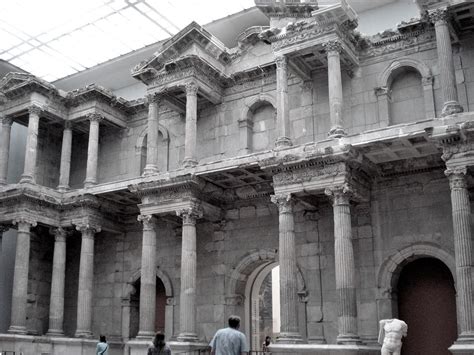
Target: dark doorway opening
427,303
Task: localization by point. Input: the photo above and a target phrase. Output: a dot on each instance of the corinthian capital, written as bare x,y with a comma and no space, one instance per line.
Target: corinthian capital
438,15
95,117
148,221
190,215
153,99
88,229
457,178
332,46
6,121
191,88
339,195
25,220
3,228
284,202
59,233
35,110
281,62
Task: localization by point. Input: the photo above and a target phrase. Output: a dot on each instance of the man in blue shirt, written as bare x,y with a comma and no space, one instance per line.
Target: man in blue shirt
229,341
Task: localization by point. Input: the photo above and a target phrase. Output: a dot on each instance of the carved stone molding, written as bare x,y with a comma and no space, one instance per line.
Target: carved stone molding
190,215
60,234
3,228
153,99
381,91
25,220
281,62
457,178
191,88
284,202
88,229
332,46
148,221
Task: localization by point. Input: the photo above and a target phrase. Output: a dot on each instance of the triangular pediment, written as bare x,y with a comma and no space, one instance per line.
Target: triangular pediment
18,83
192,40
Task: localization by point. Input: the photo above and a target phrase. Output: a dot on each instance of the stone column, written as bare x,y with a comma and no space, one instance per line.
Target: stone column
56,303
283,109
20,276
65,166
289,332
245,136
383,99
333,50
191,125
92,150
148,278
187,297
151,166
86,280
440,19
345,266
31,152
461,210
5,148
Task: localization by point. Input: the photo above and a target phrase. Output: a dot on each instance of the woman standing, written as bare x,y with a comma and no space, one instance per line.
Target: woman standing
159,346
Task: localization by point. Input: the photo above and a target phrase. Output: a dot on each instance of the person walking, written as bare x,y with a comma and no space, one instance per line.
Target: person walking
229,341
102,346
159,346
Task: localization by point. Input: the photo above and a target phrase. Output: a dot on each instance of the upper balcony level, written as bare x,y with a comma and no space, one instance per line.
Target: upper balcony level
292,83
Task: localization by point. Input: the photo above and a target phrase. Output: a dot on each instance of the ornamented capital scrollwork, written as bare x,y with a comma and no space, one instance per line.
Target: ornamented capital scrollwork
191,88
190,215
457,178
87,229
148,221
60,234
438,15
35,110
281,62
3,228
95,117
25,220
284,202
339,195
332,46
6,120
153,99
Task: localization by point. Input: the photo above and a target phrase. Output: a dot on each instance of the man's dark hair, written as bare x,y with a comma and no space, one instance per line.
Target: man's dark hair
234,322
102,339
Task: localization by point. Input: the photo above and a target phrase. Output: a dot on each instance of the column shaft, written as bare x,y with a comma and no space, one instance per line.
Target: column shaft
65,166
461,210
86,279
289,329
191,125
187,297
333,49
445,62
20,277
148,279
5,148
56,304
31,152
345,267
283,108
152,137
92,150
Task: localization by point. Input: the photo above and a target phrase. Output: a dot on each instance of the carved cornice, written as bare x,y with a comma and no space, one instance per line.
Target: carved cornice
190,215
14,85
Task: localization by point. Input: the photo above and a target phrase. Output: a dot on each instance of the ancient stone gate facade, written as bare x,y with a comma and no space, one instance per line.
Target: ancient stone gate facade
338,156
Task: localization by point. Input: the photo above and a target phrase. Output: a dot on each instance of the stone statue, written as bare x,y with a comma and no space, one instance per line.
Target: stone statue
390,336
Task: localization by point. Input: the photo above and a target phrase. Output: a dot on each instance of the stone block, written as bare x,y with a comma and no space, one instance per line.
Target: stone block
247,212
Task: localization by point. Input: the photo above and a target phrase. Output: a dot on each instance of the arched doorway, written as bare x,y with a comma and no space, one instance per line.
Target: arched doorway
427,303
160,308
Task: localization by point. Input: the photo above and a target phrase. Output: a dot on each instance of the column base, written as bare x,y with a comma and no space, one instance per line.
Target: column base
337,132
145,334
348,339
289,338
283,142
17,329
62,188
187,338
189,163
150,170
451,108
26,179
83,334
55,333
88,184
